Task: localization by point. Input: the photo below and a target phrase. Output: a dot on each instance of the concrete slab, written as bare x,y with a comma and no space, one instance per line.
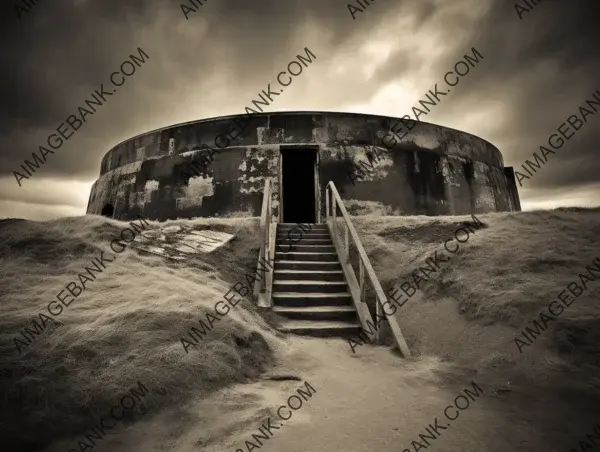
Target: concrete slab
183,241
208,241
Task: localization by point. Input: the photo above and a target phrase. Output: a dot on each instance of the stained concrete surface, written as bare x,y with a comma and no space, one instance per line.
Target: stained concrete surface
428,170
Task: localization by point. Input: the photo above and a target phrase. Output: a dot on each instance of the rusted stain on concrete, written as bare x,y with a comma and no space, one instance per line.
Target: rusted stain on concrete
196,189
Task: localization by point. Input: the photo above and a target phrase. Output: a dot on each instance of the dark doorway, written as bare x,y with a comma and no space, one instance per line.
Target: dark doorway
298,185
108,210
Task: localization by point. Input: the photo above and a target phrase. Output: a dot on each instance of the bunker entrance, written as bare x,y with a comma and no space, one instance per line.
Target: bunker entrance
108,210
298,185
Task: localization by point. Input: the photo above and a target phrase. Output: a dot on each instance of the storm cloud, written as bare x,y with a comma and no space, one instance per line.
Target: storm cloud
536,71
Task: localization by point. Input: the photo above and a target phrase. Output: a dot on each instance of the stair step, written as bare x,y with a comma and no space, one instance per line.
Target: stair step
345,313
299,236
285,242
310,275
301,247
305,286
325,328
304,256
302,227
311,299
285,264
309,288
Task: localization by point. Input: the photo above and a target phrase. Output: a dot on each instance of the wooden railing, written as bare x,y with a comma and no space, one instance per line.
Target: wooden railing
366,272
263,286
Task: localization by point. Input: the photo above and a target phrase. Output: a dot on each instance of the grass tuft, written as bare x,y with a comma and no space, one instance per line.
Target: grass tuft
126,327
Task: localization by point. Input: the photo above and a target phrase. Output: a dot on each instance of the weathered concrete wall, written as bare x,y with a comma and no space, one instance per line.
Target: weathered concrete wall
431,170
509,172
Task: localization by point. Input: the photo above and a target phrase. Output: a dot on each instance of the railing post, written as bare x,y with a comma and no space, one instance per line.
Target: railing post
267,248
361,279
326,203
264,270
269,270
267,238
347,243
265,220
377,317
333,214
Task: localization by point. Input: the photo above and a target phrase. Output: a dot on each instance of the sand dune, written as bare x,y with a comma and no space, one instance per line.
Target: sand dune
125,328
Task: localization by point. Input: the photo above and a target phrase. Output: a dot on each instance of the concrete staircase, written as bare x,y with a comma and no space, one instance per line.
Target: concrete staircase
309,288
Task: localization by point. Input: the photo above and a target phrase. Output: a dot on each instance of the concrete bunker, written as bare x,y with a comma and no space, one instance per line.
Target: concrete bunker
412,167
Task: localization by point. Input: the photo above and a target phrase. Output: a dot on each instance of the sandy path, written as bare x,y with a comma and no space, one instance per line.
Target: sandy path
371,401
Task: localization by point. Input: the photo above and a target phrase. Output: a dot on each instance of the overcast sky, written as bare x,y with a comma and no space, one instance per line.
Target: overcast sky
537,70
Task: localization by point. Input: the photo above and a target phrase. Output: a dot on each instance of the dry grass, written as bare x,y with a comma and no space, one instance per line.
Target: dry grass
126,327
478,302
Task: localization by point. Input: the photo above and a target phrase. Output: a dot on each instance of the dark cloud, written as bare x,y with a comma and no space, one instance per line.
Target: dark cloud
550,61
535,72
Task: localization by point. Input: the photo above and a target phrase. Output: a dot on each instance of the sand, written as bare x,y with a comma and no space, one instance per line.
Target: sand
369,401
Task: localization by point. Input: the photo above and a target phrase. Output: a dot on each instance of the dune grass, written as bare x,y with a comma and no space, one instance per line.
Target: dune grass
126,327
475,305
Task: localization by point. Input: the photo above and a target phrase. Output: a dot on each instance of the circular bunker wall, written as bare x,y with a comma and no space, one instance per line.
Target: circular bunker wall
219,166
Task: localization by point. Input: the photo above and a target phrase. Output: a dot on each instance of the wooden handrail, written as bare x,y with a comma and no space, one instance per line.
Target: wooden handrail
333,201
264,271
